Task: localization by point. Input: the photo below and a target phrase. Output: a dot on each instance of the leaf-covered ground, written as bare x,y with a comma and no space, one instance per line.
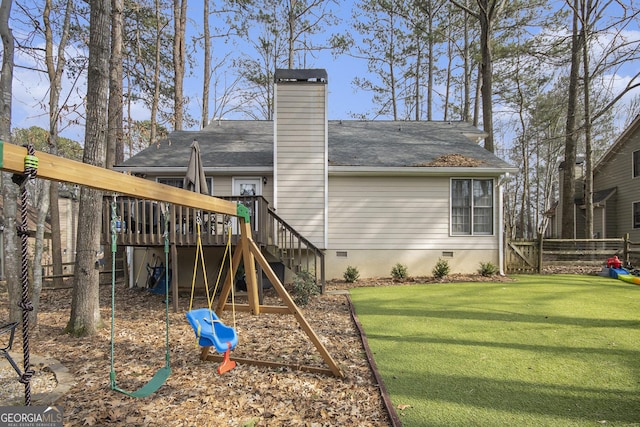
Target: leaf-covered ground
195,395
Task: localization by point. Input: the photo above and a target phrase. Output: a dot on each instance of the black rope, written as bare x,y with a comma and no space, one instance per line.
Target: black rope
30,169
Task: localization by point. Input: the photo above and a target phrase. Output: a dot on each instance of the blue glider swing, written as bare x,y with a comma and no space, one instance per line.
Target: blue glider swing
209,330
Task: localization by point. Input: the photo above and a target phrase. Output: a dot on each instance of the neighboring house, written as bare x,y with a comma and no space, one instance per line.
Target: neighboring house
616,188
616,191
368,194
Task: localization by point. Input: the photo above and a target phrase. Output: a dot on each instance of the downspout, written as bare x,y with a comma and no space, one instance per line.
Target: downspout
275,146
501,242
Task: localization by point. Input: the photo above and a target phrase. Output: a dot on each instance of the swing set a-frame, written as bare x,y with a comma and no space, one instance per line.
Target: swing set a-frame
51,167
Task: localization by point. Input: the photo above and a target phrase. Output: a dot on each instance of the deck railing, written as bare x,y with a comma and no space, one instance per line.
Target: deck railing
142,223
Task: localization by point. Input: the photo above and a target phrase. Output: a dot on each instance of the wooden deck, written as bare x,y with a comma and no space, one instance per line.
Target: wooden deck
140,222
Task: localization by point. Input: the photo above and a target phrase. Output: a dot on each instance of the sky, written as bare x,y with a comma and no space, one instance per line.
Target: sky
30,88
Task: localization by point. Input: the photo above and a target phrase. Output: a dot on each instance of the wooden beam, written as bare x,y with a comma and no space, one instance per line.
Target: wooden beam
249,266
286,298
268,364
247,245
64,170
273,309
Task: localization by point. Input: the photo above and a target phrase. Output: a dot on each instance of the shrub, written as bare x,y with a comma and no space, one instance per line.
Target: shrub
441,268
351,274
487,269
304,287
399,271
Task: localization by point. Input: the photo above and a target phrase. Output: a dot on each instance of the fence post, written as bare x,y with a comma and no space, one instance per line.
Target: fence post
540,246
626,249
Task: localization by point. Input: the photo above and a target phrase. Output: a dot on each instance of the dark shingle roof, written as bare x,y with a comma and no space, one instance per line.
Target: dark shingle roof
240,143
233,143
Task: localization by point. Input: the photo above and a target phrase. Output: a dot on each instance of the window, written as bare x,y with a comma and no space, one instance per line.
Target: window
174,182
636,215
472,206
636,163
179,182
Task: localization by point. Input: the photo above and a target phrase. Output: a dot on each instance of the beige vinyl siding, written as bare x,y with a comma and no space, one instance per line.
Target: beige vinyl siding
618,172
395,213
300,157
222,184
68,224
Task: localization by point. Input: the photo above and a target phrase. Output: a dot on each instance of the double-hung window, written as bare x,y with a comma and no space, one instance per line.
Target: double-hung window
636,163
472,206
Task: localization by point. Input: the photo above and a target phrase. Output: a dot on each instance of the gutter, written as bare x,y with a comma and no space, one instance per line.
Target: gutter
418,171
182,170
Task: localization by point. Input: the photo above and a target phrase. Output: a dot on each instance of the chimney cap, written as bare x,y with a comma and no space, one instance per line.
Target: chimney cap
318,75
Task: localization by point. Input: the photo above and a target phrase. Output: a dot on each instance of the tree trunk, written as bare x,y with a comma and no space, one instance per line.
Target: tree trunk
466,102
417,82
291,24
571,139
476,105
180,23
85,306
486,70
156,77
586,8
115,140
9,190
432,66
206,78
54,71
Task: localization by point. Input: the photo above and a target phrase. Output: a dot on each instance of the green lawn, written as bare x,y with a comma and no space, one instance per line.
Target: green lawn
559,350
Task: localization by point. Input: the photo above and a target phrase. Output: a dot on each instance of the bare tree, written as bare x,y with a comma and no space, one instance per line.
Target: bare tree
282,35
9,190
85,307
180,25
571,138
115,139
601,57
488,12
380,25
55,65
206,80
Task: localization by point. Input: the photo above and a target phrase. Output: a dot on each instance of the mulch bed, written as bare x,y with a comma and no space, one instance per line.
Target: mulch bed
195,395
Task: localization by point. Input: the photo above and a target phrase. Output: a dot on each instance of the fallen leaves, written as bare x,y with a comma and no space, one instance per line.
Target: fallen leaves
452,160
194,394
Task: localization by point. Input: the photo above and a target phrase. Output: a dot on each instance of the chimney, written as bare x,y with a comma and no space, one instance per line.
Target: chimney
300,151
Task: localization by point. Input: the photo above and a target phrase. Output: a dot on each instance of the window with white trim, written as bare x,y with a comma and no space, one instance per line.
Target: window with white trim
472,206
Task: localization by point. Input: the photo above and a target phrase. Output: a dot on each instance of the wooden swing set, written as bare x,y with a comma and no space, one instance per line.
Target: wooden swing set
12,159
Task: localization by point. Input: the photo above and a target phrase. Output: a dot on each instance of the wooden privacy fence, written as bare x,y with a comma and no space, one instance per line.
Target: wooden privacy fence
532,256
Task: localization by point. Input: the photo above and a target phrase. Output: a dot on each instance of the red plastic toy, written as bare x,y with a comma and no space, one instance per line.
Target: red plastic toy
614,262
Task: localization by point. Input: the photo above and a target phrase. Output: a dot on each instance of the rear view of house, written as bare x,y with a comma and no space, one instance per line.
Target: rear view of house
367,194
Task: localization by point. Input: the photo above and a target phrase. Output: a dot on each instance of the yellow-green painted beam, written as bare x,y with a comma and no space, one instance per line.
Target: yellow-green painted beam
64,170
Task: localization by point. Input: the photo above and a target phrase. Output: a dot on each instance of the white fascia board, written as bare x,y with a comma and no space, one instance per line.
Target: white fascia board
419,171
